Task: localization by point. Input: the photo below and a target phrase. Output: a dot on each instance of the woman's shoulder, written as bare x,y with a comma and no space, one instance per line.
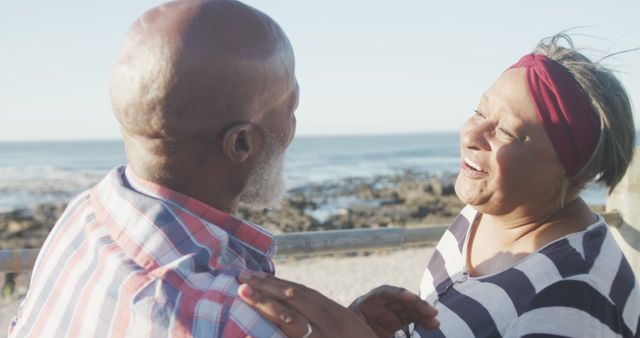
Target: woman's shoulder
457,232
582,301
591,256
587,276
592,251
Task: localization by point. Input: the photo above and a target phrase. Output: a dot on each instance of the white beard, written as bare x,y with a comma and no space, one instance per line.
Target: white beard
265,185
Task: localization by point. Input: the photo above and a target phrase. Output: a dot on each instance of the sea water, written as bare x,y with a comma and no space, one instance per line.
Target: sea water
32,173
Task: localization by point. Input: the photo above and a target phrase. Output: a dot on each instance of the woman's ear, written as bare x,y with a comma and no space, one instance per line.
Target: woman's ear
241,142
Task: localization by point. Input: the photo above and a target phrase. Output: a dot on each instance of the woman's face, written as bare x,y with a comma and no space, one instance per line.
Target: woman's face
508,162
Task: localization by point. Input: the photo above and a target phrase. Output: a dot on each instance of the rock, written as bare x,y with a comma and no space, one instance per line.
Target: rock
389,196
343,212
436,187
300,201
366,193
17,226
48,213
286,217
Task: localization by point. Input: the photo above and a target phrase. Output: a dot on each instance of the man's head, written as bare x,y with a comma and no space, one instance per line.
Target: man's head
205,92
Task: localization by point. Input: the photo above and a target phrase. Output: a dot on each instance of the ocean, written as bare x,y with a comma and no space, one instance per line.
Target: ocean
32,173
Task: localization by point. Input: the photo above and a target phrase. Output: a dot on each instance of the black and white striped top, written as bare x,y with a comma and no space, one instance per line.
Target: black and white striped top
577,286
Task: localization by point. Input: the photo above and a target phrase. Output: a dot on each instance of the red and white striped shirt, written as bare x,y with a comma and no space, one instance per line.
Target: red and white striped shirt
130,258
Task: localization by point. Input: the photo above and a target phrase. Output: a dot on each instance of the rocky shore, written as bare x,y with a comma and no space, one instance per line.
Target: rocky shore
405,199
27,228
401,200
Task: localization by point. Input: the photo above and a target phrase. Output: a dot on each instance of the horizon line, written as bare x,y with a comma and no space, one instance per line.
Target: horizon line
310,135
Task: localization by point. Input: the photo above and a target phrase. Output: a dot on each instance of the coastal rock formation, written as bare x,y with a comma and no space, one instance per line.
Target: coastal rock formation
405,199
28,228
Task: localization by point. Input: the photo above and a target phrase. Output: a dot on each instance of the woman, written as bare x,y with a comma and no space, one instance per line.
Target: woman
527,256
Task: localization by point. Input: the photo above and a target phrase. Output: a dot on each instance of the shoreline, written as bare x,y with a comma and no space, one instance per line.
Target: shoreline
405,199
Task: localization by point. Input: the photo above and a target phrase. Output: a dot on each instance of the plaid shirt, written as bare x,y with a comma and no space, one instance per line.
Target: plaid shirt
129,258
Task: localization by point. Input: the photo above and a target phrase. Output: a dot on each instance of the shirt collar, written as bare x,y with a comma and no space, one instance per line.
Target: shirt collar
250,235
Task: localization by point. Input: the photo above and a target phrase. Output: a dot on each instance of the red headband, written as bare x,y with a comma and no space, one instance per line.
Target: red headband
563,109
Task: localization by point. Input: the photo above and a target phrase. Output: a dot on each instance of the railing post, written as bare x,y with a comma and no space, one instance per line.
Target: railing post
625,199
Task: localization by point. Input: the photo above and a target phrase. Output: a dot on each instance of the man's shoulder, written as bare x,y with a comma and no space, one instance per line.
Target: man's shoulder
203,304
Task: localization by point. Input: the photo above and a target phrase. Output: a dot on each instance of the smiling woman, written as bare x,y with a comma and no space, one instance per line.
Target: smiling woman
501,148
527,256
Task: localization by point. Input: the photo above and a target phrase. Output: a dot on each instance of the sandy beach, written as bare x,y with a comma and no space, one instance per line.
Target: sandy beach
345,278
339,277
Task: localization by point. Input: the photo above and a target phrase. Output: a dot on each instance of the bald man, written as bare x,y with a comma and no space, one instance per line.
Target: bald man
205,93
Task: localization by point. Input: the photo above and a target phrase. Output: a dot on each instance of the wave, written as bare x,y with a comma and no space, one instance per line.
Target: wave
26,186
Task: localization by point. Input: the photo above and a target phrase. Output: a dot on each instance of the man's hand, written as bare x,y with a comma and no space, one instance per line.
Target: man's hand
387,308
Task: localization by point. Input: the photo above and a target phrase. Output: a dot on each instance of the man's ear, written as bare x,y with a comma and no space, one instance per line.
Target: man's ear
241,142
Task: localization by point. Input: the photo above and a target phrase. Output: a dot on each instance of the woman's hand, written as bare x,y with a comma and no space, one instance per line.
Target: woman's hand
388,308
292,306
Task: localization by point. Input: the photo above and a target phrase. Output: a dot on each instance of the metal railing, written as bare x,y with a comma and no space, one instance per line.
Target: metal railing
308,243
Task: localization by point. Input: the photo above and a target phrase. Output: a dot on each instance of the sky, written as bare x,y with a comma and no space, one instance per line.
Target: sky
364,67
